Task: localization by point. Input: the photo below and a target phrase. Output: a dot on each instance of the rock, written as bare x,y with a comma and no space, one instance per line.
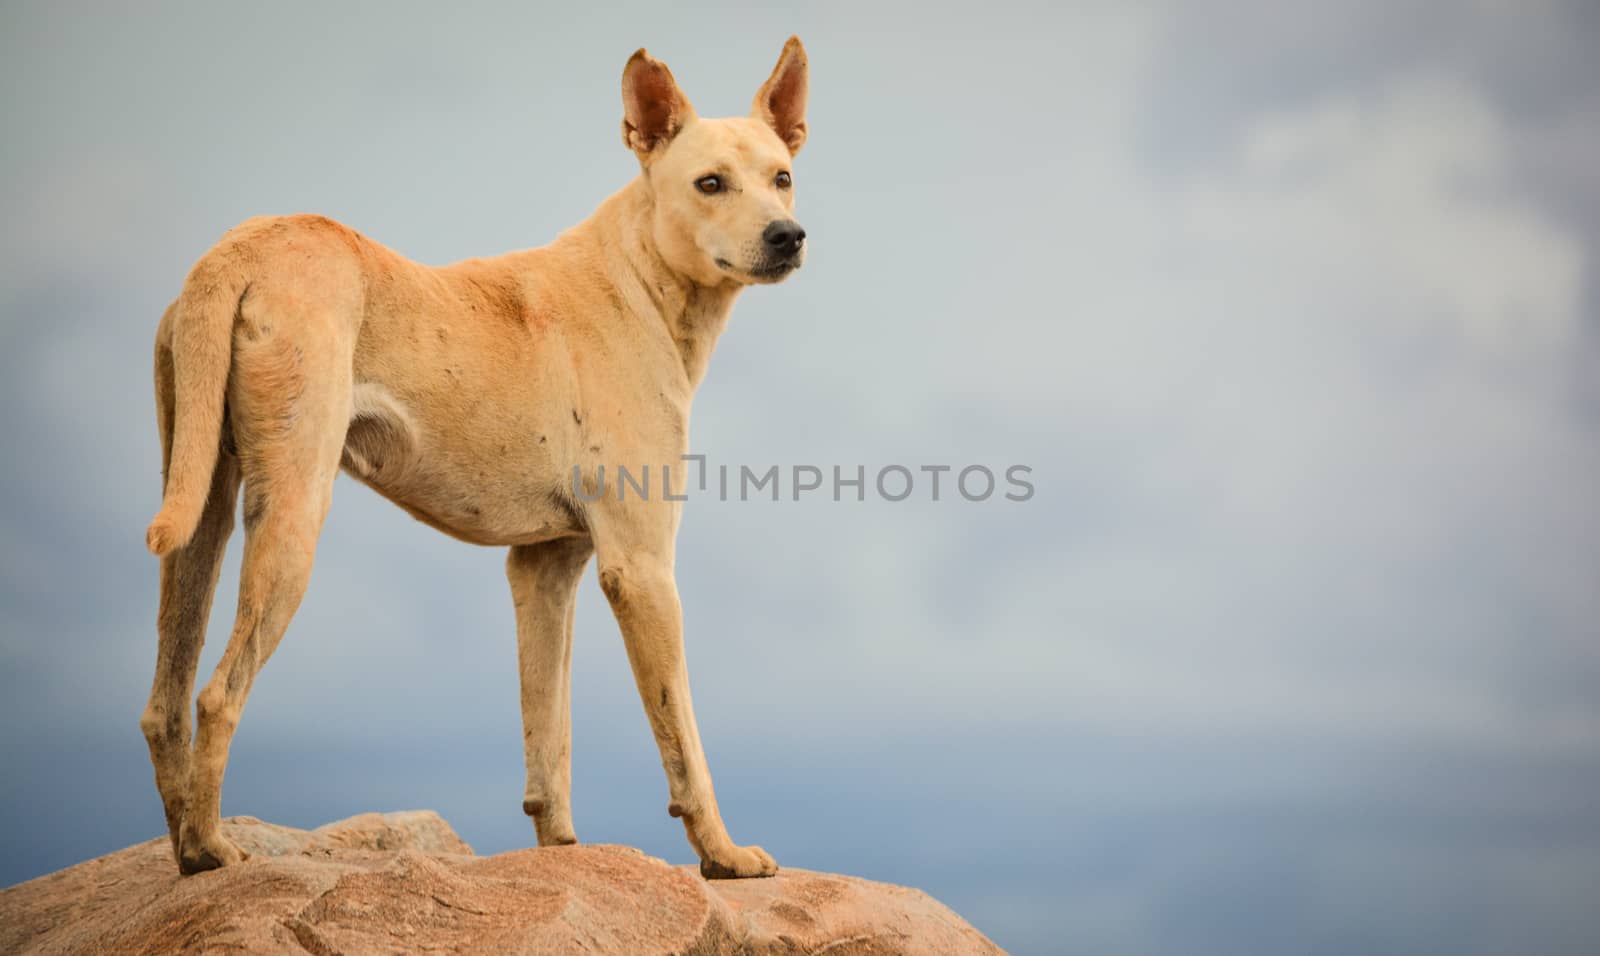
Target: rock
799,911
405,882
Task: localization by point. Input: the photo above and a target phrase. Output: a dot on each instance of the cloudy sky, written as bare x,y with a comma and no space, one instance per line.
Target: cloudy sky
1290,308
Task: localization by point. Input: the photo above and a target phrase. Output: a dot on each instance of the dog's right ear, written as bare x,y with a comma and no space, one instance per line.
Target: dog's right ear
653,108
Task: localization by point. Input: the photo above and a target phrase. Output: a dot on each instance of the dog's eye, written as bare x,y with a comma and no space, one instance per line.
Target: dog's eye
783,180
709,184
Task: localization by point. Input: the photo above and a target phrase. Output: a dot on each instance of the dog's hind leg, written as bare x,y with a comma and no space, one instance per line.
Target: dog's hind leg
544,585
188,581
289,403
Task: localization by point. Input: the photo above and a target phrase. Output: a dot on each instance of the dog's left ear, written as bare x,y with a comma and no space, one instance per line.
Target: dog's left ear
781,103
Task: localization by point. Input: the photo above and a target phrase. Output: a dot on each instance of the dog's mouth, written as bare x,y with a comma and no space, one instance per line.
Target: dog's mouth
766,273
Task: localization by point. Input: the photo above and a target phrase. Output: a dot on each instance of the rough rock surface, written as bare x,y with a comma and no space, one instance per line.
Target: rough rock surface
405,883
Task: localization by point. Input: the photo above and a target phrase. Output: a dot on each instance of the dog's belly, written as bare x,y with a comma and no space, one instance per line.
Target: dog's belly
486,491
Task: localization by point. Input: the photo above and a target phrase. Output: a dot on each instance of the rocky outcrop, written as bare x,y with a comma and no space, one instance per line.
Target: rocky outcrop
406,883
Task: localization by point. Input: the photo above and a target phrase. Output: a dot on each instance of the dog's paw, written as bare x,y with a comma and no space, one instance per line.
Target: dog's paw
554,826
741,862
201,853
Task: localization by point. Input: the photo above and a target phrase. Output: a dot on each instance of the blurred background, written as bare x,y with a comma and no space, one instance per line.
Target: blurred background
1289,307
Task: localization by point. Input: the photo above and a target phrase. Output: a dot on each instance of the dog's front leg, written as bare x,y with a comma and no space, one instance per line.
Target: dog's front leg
544,584
639,583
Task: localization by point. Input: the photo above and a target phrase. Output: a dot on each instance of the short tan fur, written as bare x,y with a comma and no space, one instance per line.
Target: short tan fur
466,395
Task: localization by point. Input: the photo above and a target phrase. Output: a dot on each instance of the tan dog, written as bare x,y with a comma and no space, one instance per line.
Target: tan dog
466,395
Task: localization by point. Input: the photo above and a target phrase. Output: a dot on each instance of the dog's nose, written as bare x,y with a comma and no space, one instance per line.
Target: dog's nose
783,237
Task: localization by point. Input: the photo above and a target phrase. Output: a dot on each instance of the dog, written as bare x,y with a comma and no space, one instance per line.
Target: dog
471,395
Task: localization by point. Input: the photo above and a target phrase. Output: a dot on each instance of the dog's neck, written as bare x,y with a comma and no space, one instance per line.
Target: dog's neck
692,314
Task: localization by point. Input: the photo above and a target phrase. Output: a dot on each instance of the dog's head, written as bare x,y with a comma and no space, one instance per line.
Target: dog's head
723,189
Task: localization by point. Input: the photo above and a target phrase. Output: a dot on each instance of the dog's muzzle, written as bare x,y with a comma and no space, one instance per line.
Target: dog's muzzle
781,251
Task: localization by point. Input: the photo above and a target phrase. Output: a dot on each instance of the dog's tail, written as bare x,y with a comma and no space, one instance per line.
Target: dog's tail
202,350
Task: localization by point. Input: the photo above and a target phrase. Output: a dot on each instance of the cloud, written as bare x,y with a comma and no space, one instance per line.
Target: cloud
1292,324
1295,412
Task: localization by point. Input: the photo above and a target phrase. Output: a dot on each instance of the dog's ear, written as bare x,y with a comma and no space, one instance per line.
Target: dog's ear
781,103
653,108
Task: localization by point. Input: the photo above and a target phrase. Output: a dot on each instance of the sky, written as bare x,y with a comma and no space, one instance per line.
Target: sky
1290,309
